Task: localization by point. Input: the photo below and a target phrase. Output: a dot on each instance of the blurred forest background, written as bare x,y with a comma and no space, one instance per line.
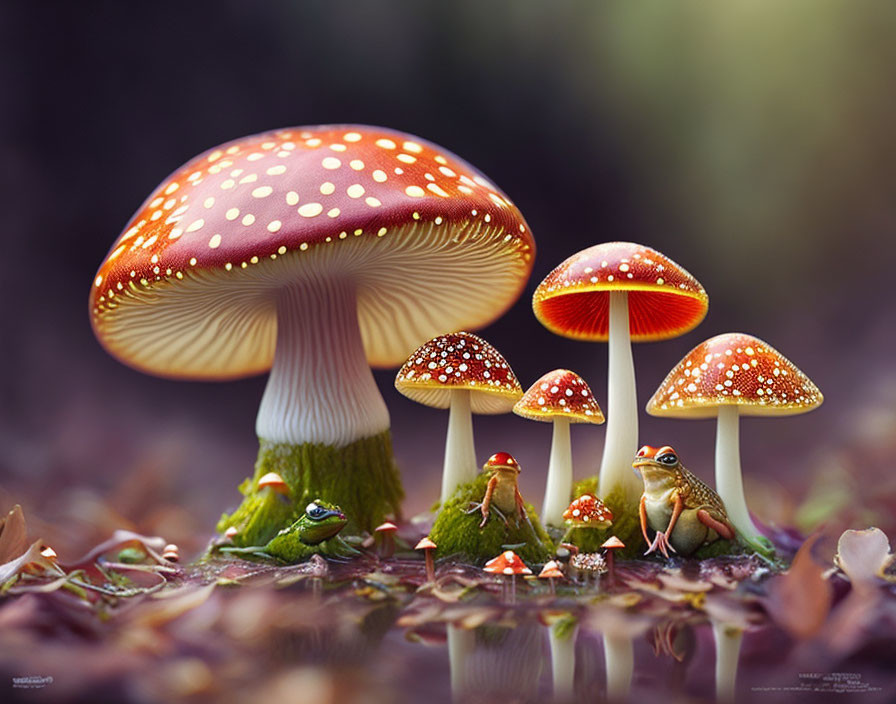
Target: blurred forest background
750,141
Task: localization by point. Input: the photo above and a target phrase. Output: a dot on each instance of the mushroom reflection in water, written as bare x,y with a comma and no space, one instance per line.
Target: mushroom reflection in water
620,292
726,377
312,252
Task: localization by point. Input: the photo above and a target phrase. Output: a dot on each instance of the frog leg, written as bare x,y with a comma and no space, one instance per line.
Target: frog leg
642,510
521,508
486,502
661,541
720,527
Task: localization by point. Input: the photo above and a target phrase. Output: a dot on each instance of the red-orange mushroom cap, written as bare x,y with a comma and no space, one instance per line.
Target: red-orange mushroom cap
664,299
459,361
588,510
560,393
427,242
508,563
734,369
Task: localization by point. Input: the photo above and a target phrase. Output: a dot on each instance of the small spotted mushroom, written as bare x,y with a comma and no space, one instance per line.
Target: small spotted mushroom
726,377
620,292
312,252
560,397
587,511
463,372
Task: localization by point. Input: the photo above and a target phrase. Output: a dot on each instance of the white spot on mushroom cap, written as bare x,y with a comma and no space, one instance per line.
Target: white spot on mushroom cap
310,210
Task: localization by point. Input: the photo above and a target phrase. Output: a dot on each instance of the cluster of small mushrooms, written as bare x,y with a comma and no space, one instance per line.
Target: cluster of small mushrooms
318,252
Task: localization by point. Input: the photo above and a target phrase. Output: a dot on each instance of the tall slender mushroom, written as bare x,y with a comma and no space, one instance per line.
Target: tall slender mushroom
729,376
560,397
620,292
312,252
463,372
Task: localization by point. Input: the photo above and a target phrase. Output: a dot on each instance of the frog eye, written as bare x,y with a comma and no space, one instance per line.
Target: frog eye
314,511
668,458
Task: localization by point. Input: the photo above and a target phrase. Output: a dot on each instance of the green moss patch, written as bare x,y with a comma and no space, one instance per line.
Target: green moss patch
361,478
456,530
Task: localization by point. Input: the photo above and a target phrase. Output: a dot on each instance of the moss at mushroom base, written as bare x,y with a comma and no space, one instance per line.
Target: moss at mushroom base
456,530
361,478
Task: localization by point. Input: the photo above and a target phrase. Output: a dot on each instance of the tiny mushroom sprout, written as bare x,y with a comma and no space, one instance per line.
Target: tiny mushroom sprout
463,372
384,538
551,571
509,564
620,292
273,481
428,547
726,377
312,252
171,553
560,397
610,545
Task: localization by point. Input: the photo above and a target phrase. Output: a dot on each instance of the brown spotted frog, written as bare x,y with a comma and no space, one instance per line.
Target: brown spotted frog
502,492
685,513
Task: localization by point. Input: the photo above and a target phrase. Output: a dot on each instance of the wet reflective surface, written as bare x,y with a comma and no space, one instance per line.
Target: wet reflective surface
372,630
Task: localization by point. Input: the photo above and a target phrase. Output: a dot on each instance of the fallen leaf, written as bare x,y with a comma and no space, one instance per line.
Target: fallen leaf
799,600
12,535
864,555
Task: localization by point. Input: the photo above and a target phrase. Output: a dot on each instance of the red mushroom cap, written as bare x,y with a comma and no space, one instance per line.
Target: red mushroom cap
425,544
273,481
460,360
189,288
588,510
664,300
560,393
502,460
734,369
508,562
612,543
551,570
387,527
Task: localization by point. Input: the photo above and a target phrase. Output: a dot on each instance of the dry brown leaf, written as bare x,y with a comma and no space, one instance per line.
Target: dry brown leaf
13,541
800,599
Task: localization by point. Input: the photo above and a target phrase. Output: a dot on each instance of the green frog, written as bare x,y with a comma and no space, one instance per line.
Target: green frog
685,513
315,532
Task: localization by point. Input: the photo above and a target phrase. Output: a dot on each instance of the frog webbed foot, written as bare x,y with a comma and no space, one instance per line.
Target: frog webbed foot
486,514
661,543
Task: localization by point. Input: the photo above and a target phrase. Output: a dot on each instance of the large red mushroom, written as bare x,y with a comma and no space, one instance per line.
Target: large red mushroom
620,292
726,377
312,252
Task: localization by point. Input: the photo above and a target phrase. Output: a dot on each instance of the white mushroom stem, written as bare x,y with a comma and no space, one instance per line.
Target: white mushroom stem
558,490
461,644
622,407
619,662
563,663
728,640
729,481
320,389
460,451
